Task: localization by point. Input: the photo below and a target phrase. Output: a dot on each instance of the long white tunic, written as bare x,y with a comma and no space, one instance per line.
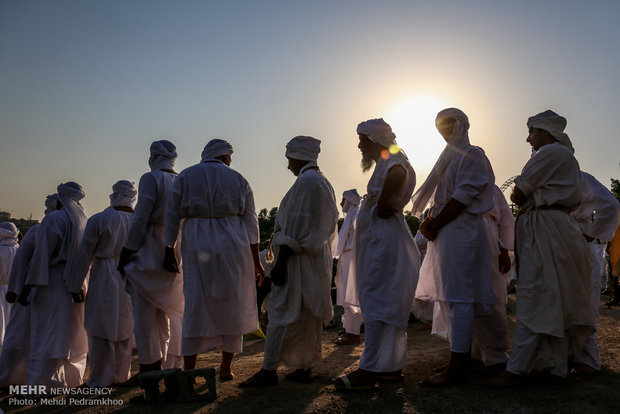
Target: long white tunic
386,259
597,215
456,267
554,271
307,223
8,250
145,273
216,206
59,334
346,240
101,245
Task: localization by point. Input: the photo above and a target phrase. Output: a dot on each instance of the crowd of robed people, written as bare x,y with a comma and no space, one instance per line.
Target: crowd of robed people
178,273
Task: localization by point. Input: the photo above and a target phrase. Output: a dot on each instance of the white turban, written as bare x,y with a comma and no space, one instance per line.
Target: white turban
216,148
351,199
303,148
123,194
378,131
51,203
457,142
8,231
163,155
70,194
552,123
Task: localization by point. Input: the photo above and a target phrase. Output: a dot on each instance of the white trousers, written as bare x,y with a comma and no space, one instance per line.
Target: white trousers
535,352
58,372
110,361
490,338
351,321
385,347
297,345
151,328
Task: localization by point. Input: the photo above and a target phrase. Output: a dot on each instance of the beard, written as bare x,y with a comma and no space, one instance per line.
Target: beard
367,162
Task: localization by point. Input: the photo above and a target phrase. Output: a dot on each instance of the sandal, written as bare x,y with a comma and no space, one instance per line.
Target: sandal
226,376
355,381
303,376
348,339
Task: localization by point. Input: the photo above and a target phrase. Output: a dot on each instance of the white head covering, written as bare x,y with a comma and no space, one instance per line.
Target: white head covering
216,148
8,233
457,142
70,194
51,203
123,194
303,148
163,155
378,131
552,123
351,198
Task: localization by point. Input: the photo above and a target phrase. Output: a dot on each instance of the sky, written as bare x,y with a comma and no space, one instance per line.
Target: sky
86,86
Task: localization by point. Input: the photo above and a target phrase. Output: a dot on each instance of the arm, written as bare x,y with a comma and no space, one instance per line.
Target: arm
171,224
85,254
431,225
394,182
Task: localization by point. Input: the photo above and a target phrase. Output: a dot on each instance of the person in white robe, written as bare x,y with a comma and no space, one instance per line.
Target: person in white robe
554,300
58,341
303,242
109,338
219,247
15,352
156,294
352,316
8,250
386,260
597,216
456,272
422,309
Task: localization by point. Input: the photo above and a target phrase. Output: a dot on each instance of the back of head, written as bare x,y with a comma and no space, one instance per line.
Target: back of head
303,148
216,148
123,194
8,230
163,155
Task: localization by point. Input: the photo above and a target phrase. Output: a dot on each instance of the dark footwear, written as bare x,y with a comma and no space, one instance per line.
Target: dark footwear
359,380
348,339
303,376
226,376
263,378
505,380
394,377
457,371
490,370
131,382
551,379
583,369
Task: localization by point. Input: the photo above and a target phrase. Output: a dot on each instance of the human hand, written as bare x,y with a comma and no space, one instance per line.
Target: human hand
124,259
78,297
427,231
11,297
504,261
23,297
170,260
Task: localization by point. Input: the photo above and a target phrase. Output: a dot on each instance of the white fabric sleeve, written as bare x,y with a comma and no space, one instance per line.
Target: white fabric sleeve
172,220
147,192
85,254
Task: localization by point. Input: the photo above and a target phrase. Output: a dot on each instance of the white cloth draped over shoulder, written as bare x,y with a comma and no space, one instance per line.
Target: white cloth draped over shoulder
553,260
145,272
215,206
101,245
307,223
386,260
8,250
597,215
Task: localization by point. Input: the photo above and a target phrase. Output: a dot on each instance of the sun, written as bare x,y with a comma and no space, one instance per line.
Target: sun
413,122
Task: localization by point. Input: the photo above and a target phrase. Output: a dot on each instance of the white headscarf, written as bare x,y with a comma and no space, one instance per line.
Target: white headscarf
70,194
303,148
216,148
8,234
552,123
163,155
457,142
51,203
351,205
378,131
123,194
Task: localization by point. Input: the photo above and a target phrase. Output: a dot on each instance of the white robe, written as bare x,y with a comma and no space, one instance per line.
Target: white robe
307,223
146,277
346,240
101,245
456,267
386,259
216,206
8,250
553,295
15,352
58,342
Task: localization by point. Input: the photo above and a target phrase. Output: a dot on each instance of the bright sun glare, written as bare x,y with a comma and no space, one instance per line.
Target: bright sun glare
413,122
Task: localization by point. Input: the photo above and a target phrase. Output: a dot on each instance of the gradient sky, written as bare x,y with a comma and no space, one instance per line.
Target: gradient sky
86,86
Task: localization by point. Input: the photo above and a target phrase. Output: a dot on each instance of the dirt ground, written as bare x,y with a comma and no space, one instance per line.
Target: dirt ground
599,393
